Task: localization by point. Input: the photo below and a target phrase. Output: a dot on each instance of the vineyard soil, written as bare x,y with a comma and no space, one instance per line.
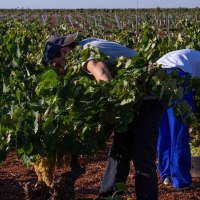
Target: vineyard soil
13,175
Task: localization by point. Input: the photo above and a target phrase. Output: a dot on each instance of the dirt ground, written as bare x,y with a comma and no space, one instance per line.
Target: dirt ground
13,175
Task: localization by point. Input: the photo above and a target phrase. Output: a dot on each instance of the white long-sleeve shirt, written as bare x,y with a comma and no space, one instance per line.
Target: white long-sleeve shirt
187,60
112,49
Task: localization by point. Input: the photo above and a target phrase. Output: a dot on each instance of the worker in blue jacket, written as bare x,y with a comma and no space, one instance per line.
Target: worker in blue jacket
174,156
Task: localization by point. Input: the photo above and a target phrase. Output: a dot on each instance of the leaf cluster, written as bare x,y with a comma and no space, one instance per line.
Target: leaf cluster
49,114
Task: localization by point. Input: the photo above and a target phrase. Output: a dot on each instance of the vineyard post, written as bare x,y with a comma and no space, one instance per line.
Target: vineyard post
168,24
44,20
83,23
137,19
56,17
156,19
24,17
100,24
64,16
136,24
196,16
95,21
69,16
117,21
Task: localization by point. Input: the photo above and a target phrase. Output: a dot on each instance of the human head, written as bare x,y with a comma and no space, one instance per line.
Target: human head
56,49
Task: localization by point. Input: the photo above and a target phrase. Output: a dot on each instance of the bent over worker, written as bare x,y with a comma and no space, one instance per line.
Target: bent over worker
174,157
139,142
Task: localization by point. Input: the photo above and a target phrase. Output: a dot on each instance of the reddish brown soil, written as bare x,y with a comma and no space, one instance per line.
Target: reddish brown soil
13,175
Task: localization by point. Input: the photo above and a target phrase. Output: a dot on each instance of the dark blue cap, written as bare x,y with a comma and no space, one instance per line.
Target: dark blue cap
54,44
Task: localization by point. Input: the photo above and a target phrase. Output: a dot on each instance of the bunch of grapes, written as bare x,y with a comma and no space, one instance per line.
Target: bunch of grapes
44,168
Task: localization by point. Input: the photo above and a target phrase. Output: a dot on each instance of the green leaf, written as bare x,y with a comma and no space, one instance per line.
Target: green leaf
178,94
121,186
41,150
190,119
18,94
18,54
128,63
127,101
160,73
5,88
119,197
25,160
122,128
13,64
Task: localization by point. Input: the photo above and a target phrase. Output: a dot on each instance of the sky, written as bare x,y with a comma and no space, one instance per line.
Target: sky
108,4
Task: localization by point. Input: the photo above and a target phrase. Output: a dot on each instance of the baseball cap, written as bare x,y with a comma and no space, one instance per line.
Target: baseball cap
54,43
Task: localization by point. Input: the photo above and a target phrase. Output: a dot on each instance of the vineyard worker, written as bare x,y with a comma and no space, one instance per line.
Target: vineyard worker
140,141
58,46
174,157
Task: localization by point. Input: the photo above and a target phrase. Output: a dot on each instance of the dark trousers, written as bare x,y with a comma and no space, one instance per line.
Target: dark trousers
139,144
